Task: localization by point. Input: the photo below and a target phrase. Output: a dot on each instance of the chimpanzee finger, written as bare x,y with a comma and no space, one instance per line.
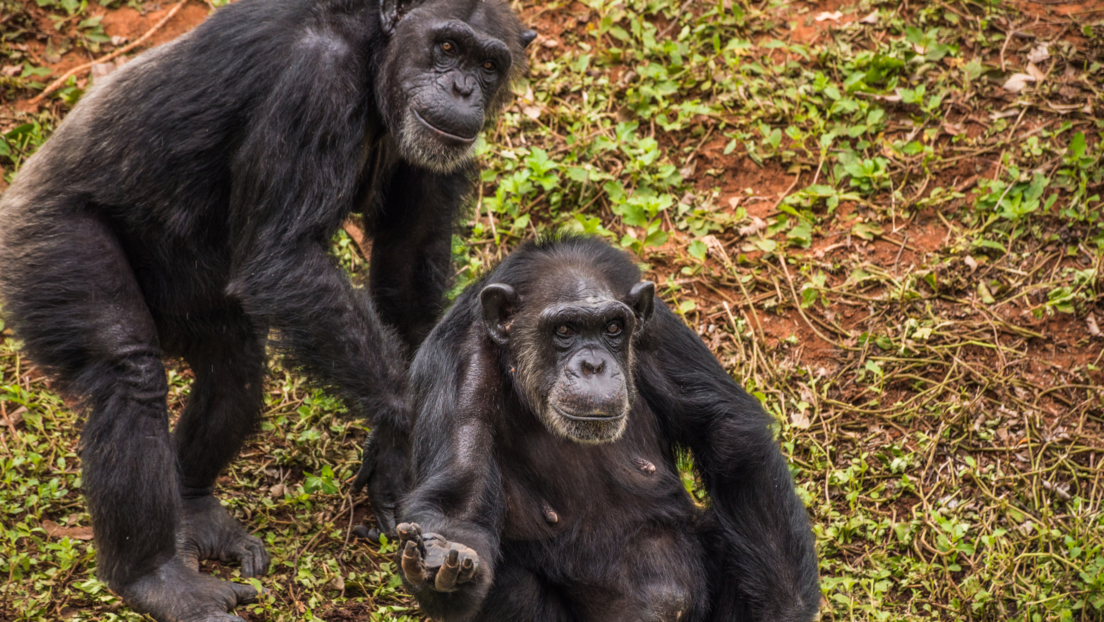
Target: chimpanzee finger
409,532
446,576
412,564
254,558
467,569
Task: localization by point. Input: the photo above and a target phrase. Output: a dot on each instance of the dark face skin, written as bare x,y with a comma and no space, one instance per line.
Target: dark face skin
446,75
570,347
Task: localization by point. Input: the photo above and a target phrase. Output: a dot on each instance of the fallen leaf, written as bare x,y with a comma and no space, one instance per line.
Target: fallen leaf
1017,81
1069,92
757,225
984,293
834,16
969,261
100,70
952,129
11,70
1094,330
117,40
1088,109
338,582
687,198
870,19
733,202
533,112
1004,114
1036,72
55,530
14,418
550,43
716,249
687,172
800,420
1039,54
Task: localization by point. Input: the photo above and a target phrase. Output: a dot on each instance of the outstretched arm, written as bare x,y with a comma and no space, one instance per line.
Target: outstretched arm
294,179
458,495
769,562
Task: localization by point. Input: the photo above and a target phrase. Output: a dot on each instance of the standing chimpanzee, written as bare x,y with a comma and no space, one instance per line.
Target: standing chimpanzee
186,206
551,404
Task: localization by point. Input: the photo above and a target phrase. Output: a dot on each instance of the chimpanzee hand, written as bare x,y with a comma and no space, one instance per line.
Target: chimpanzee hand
174,592
432,562
207,531
383,470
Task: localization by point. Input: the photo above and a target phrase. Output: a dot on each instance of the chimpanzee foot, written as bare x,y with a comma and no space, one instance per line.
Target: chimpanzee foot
207,531
176,593
432,561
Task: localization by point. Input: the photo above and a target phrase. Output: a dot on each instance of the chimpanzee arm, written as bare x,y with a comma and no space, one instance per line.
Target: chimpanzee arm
411,263
769,561
458,493
294,180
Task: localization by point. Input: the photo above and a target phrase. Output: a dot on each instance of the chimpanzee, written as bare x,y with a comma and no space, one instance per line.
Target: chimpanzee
186,205
552,402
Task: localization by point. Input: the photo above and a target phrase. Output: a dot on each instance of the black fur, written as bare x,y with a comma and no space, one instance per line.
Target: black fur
567,531
186,206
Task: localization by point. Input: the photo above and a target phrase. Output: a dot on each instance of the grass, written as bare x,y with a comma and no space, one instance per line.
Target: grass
898,256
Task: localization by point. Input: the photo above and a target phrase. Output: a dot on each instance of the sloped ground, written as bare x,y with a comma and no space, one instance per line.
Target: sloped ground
884,218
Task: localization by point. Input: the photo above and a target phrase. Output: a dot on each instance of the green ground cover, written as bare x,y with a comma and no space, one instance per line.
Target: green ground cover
884,218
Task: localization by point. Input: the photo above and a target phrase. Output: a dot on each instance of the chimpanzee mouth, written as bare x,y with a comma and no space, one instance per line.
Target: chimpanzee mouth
591,418
442,133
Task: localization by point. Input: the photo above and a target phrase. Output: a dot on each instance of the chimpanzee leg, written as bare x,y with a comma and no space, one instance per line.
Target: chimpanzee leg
518,594
660,578
726,604
78,307
222,410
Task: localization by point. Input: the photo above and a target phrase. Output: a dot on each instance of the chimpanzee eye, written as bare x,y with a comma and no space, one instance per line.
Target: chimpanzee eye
489,65
564,331
448,47
613,328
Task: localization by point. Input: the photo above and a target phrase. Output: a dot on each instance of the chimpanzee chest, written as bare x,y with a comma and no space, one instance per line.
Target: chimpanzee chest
553,485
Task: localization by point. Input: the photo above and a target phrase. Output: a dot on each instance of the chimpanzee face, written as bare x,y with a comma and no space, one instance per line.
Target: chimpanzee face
570,348
446,73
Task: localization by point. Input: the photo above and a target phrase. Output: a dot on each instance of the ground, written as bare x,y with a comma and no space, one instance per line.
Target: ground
884,218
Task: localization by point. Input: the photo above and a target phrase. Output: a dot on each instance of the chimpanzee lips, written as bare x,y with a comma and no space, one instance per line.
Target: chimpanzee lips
588,417
447,136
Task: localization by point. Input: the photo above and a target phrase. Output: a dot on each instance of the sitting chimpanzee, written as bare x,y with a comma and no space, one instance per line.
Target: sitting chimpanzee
186,206
552,401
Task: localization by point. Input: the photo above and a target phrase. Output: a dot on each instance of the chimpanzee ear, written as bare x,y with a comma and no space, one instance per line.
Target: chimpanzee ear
498,300
391,12
642,300
527,37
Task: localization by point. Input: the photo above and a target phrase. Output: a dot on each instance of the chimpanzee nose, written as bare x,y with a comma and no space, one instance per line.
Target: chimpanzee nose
591,365
463,86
